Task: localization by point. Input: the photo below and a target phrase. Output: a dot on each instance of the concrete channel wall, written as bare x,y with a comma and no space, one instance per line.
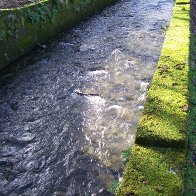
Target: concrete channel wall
23,28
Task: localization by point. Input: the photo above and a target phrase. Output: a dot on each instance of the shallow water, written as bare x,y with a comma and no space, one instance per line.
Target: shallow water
69,108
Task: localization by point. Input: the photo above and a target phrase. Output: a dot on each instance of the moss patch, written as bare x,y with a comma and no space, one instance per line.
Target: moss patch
158,159
21,29
164,117
154,171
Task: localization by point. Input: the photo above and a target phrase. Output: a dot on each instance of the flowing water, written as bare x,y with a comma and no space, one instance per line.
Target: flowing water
69,108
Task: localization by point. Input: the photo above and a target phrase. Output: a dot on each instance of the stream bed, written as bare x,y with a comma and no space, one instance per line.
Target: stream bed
71,106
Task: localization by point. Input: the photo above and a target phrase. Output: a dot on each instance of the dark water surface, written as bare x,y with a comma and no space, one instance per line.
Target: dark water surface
68,110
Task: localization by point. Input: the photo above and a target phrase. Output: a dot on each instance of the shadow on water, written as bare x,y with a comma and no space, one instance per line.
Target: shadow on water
70,107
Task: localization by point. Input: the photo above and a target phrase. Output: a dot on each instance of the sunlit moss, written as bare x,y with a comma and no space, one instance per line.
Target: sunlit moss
156,165
154,171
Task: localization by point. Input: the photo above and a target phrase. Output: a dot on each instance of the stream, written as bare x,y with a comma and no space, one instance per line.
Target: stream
70,107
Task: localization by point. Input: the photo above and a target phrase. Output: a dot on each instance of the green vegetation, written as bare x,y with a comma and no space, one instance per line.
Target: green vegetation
156,165
114,187
80,4
125,155
153,171
23,28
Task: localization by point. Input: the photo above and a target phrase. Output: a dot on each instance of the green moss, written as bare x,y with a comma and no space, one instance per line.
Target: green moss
80,4
125,155
157,162
40,14
3,34
153,171
114,187
164,118
25,6
23,28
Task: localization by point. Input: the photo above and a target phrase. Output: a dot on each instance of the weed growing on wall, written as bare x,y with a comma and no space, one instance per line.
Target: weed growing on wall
125,155
2,34
80,4
43,13
113,188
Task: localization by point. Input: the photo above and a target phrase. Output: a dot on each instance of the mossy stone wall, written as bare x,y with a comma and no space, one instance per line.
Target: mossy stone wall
23,28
